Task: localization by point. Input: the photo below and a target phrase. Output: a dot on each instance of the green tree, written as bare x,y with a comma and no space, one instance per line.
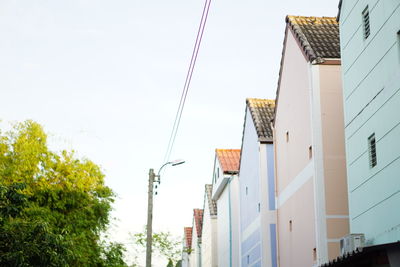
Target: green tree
53,206
164,245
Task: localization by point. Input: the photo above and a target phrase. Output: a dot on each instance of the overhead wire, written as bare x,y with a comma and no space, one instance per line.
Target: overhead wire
188,79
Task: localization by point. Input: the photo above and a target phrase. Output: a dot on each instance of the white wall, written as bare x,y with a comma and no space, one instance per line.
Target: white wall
208,244
223,229
194,259
228,224
235,220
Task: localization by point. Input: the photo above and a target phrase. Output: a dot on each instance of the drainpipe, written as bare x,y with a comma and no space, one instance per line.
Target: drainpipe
276,191
230,222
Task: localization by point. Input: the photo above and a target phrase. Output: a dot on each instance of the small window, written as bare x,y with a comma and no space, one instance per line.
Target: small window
259,207
314,253
247,190
217,172
310,152
398,42
366,26
372,151
290,225
287,136
248,259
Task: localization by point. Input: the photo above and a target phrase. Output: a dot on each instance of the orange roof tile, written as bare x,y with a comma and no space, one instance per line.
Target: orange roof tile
188,236
198,220
229,160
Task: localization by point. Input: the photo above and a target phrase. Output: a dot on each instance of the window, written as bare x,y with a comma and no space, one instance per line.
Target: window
310,152
372,151
259,207
247,190
398,42
287,136
290,225
314,253
365,20
248,259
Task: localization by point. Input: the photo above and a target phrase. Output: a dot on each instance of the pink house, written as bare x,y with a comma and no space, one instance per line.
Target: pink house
310,166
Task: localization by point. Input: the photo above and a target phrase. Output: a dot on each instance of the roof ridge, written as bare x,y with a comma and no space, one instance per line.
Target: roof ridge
322,17
260,99
227,149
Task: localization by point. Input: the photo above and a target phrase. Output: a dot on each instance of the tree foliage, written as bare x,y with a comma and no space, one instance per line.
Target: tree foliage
164,244
53,206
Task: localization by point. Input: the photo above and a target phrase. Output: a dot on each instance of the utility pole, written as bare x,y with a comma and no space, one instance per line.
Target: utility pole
149,230
149,240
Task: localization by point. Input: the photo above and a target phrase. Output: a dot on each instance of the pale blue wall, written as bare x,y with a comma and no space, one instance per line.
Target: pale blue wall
271,200
371,77
249,176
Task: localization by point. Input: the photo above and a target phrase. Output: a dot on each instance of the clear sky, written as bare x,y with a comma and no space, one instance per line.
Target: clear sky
104,78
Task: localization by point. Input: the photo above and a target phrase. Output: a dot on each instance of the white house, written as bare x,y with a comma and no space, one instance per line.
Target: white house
187,246
209,231
195,252
257,189
226,194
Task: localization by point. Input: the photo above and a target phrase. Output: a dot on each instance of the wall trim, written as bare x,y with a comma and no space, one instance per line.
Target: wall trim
337,216
318,158
251,228
301,178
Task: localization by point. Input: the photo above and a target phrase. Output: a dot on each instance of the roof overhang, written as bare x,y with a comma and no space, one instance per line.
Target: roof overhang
265,140
328,61
219,187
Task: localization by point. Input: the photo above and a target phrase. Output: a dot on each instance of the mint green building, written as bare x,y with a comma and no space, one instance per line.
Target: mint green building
370,52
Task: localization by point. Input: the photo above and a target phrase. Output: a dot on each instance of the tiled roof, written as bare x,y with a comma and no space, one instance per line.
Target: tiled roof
188,236
198,220
212,205
262,112
229,160
317,36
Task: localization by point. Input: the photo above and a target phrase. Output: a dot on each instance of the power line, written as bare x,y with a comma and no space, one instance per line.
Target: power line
188,79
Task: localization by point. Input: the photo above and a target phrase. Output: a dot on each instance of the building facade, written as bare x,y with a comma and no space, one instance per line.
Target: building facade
186,246
209,245
226,195
370,47
195,250
257,189
310,164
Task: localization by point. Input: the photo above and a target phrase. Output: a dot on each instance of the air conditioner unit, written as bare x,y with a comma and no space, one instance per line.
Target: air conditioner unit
351,242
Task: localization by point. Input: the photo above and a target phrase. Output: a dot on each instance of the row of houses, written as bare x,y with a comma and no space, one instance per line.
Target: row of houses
316,181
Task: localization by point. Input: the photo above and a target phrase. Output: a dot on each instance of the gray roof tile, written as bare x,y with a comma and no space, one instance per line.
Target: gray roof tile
212,205
262,113
317,36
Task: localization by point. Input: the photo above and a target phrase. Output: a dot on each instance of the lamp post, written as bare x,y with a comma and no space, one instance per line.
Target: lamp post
152,179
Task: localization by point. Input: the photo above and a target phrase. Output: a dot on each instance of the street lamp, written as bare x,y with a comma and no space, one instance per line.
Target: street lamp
152,176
